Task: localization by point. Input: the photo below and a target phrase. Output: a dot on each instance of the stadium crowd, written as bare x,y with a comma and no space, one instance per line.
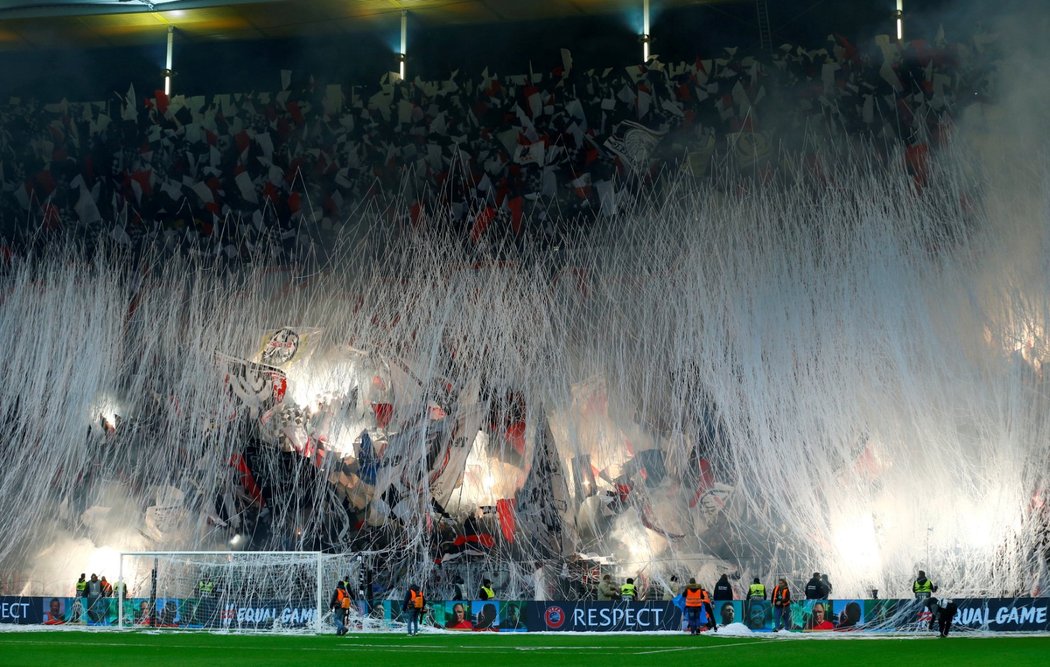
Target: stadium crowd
485,154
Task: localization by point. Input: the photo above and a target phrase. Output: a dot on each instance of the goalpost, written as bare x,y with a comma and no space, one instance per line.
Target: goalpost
229,590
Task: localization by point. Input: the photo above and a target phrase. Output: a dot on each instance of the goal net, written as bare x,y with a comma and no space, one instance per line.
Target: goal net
230,590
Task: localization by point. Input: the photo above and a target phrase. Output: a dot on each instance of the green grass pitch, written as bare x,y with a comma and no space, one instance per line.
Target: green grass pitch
116,649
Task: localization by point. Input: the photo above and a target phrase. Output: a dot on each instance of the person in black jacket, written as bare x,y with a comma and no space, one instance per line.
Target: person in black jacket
827,585
723,589
815,588
942,612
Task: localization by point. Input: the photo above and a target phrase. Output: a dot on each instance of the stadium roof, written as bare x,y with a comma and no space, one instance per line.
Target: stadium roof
27,24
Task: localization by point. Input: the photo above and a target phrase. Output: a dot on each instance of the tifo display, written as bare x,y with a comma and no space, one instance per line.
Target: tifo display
760,361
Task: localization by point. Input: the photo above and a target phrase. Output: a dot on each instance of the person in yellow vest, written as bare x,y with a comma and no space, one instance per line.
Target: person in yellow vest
205,588
486,592
206,601
628,591
413,606
781,606
756,591
80,602
694,601
923,587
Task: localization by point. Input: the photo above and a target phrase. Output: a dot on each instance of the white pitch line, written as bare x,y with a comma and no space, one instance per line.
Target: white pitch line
600,649
695,648
665,650
343,648
327,649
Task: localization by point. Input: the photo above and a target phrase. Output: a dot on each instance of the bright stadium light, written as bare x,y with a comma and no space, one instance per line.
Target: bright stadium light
899,15
168,60
645,31
403,54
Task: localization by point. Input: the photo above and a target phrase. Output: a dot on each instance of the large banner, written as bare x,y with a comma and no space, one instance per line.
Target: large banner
602,616
20,610
464,615
1004,614
165,612
994,614
262,615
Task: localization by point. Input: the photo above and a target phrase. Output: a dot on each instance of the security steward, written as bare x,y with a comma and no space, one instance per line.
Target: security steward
414,605
628,591
694,601
80,603
206,601
923,587
486,592
340,606
781,606
756,591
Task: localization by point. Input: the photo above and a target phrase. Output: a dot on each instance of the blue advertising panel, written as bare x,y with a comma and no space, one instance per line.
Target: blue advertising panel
393,612
56,611
995,614
512,616
486,615
758,615
81,611
603,616
20,610
465,615
259,615
1021,614
457,615
812,616
728,612
847,614
890,614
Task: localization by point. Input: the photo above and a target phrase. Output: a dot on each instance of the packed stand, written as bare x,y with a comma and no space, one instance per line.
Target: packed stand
491,156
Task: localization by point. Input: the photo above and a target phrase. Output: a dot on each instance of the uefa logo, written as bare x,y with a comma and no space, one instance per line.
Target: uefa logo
554,617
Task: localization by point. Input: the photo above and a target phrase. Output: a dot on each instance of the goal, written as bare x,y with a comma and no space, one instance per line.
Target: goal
229,590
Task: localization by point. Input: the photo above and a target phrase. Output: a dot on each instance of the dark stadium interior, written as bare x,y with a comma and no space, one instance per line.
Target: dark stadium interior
57,52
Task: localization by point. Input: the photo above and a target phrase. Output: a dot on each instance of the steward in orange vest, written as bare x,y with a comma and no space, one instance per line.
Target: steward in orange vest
340,605
781,606
414,605
696,598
